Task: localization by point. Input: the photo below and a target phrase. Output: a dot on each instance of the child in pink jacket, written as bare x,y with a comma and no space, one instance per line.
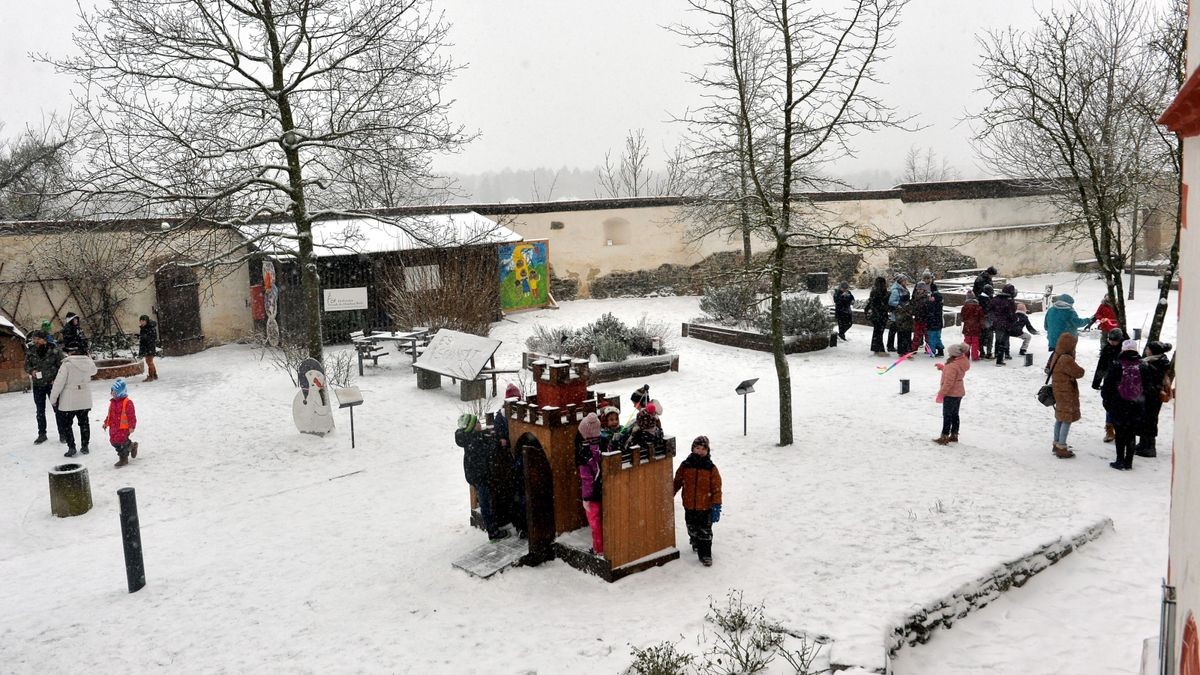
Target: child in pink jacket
951,393
587,458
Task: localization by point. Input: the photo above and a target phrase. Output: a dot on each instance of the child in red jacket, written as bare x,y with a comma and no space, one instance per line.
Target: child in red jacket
121,422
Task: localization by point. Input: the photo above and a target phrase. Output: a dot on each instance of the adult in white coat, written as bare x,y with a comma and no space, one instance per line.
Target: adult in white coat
72,396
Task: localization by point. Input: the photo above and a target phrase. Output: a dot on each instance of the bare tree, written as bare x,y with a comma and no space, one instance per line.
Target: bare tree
629,174
33,167
1068,107
262,113
790,85
925,167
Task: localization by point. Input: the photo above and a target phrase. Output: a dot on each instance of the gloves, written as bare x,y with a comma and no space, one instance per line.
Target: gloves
939,366
940,398
716,512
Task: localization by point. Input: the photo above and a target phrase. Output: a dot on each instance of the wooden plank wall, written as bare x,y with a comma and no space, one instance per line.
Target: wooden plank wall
638,508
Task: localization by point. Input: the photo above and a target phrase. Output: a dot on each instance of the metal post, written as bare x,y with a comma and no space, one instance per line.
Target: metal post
1166,638
131,536
351,427
904,386
745,414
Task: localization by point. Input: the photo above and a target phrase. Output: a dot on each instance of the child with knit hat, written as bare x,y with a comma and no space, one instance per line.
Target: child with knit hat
951,392
1022,328
700,481
587,458
120,423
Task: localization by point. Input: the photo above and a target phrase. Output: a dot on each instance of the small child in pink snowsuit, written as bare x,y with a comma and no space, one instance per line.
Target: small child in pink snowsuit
121,421
587,458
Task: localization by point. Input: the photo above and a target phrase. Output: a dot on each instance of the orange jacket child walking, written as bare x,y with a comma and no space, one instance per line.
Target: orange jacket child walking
701,484
121,421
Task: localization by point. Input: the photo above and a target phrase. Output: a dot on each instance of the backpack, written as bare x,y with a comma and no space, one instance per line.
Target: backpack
1130,387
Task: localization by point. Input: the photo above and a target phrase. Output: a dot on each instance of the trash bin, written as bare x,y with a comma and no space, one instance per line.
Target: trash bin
70,491
817,282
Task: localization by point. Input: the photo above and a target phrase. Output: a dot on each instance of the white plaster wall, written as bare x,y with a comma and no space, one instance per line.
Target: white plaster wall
1185,487
224,300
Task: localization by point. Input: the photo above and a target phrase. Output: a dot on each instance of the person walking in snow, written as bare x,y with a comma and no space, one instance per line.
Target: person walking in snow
920,303
477,468
972,323
1061,318
952,390
1157,385
843,306
877,313
904,326
1003,314
120,423
1023,329
71,395
72,334
1064,380
42,361
897,295
700,481
1108,356
148,345
1125,400
587,460
934,322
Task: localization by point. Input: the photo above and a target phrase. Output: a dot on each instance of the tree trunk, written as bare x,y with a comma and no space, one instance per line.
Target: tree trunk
782,372
743,198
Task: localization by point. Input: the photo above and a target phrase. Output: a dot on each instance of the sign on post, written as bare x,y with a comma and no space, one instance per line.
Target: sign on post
742,390
345,299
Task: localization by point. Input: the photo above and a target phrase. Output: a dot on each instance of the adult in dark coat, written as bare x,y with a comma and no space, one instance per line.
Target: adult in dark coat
1157,380
877,312
72,335
1125,402
1002,311
42,362
478,448
984,279
1108,355
904,326
984,296
148,345
843,306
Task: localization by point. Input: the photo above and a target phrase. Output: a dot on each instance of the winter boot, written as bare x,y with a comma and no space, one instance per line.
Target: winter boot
122,461
69,453
1062,452
1110,433
942,440
1146,447
953,438
40,439
84,450
493,538
706,560
941,351
133,450
1117,465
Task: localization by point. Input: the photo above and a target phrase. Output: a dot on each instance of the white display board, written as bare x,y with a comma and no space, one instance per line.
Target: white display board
456,354
345,299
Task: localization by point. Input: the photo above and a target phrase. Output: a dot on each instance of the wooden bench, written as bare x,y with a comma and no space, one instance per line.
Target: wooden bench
367,349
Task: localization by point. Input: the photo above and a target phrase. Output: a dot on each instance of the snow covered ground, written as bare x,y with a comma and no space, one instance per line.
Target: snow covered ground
267,550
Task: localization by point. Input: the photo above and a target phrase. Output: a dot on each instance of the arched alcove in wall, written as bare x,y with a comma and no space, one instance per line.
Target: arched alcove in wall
616,232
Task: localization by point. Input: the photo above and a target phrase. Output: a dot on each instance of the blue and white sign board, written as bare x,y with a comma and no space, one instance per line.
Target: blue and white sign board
345,299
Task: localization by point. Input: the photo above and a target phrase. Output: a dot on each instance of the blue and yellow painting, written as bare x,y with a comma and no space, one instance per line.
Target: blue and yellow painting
524,275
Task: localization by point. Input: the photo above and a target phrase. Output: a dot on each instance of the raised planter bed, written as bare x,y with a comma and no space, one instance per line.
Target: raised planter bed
1033,302
111,369
949,319
637,366
792,344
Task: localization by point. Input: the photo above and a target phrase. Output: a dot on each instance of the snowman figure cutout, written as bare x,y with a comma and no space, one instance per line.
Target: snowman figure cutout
311,408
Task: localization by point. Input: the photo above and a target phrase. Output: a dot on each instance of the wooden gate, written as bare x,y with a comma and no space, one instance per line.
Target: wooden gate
178,292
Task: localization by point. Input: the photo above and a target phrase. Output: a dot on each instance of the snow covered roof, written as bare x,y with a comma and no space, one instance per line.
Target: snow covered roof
346,236
7,326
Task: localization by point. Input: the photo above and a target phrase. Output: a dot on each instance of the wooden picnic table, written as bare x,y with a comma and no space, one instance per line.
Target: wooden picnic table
410,340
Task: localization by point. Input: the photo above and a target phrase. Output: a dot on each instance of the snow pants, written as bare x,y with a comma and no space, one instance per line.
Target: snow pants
935,340
483,492
844,321
950,407
699,527
972,341
918,334
1001,351
1154,406
85,430
594,511
1126,443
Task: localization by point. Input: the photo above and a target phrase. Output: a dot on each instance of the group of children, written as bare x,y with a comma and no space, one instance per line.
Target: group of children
499,491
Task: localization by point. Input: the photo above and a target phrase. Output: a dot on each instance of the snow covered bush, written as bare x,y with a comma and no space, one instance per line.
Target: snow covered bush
801,315
729,305
659,659
608,338
611,349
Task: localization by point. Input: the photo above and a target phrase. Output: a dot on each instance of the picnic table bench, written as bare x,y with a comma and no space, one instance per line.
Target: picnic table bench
464,358
411,342
367,349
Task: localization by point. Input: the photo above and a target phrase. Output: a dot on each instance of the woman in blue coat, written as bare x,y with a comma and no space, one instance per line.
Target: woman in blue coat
1061,318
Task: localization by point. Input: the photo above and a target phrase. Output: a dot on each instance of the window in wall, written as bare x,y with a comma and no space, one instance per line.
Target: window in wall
616,232
422,277
557,225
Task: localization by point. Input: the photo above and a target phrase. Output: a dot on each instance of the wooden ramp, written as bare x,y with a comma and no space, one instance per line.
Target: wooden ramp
490,558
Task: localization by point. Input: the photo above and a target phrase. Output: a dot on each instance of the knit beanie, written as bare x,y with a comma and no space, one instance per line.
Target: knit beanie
1158,348
958,349
640,396
1129,346
702,441
118,388
47,327
467,422
970,294
1116,335
512,391
589,428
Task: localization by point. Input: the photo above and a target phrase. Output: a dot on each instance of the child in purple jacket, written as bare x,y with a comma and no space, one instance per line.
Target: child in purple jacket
587,458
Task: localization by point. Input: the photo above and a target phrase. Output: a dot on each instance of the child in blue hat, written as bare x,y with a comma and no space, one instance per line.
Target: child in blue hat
120,423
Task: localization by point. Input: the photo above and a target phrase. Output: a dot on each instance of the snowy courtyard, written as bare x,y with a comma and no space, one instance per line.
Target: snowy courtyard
271,551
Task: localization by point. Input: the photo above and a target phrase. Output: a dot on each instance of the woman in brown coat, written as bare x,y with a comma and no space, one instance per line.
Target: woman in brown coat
1064,376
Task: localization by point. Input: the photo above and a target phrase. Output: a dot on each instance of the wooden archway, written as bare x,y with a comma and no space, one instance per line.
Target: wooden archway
539,499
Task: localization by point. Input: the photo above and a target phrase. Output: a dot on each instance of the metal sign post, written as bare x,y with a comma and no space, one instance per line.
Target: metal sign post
743,389
349,397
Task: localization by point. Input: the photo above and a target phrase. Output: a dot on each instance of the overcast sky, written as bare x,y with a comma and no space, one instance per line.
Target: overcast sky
557,82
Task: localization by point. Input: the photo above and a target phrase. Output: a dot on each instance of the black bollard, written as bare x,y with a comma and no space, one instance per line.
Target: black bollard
833,339
131,535
1137,333
1028,359
903,386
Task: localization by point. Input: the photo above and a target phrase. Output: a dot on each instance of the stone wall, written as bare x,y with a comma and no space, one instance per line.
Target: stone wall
937,259
563,289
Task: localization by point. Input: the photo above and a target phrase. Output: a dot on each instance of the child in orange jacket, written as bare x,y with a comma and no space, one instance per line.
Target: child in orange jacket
121,421
701,484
